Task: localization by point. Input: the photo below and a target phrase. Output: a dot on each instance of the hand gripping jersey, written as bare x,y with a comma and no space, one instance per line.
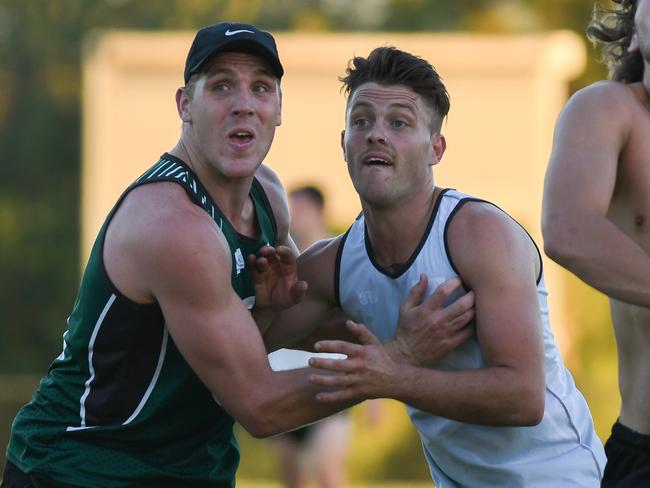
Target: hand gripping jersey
120,406
562,451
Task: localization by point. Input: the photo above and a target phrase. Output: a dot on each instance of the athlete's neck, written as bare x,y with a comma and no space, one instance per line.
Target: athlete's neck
232,195
395,232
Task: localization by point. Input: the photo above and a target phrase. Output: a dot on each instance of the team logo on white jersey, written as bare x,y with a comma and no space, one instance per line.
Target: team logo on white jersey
367,297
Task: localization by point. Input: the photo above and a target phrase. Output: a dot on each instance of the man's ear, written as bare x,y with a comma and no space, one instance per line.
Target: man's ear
343,144
438,147
183,104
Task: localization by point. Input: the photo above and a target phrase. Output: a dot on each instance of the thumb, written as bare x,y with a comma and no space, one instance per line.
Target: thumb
362,333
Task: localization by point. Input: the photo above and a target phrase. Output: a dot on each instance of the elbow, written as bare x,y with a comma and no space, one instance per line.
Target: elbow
261,420
555,251
558,246
528,411
259,431
531,415
258,425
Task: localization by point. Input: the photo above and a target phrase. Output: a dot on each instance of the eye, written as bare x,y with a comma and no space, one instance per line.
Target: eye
399,123
220,86
360,122
260,88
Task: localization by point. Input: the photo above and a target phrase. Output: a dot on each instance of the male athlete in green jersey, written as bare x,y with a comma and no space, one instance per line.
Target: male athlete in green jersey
164,349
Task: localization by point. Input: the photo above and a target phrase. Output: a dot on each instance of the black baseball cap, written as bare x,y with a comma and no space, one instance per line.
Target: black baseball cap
232,37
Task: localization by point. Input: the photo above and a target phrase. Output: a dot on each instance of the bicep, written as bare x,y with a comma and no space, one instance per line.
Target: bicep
209,324
508,323
503,277
582,169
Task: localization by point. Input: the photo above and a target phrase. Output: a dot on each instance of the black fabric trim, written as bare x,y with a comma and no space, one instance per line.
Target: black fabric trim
125,356
337,266
458,206
266,201
195,198
414,255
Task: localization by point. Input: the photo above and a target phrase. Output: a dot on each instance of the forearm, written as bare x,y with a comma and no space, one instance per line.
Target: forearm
490,396
286,402
301,327
599,253
264,318
285,333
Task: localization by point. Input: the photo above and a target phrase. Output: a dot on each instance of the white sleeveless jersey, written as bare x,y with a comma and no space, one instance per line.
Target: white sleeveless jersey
561,451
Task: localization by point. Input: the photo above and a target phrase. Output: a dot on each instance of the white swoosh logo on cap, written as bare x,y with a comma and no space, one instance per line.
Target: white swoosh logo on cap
232,33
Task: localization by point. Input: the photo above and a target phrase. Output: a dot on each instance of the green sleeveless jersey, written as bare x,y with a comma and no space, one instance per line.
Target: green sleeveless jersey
120,406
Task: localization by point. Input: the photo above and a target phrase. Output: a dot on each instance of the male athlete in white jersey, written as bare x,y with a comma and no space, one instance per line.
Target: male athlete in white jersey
501,409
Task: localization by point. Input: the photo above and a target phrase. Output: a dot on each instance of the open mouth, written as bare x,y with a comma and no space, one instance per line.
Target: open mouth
241,136
376,161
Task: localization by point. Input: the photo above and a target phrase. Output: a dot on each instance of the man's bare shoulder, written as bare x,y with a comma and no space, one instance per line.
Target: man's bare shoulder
612,97
269,180
277,197
157,222
164,210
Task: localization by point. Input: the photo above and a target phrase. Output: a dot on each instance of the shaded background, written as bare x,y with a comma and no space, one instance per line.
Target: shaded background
41,48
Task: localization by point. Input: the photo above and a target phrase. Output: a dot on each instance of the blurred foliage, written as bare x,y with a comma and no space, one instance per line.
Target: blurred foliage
41,46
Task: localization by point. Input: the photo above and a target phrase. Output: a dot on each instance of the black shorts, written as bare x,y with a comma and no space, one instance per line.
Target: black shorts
15,478
628,459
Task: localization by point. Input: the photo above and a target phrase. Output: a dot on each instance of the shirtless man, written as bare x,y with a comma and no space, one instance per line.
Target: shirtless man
596,216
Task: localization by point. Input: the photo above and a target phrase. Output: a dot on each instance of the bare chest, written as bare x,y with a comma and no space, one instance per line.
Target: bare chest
630,206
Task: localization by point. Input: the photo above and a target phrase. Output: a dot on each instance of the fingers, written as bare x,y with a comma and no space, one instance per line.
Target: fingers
335,365
280,260
298,291
442,293
463,319
463,307
340,347
416,294
362,333
461,336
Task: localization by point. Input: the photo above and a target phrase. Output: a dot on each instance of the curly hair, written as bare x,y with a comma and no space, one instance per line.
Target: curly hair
613,29
391,66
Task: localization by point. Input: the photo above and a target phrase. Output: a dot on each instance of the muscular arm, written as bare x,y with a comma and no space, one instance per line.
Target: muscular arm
509,388
590,139
190,279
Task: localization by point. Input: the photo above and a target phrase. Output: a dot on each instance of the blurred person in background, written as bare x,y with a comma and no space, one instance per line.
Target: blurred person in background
317,451
501,409
596,215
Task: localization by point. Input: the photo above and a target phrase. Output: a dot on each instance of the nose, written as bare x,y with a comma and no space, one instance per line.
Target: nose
243,104
377,134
